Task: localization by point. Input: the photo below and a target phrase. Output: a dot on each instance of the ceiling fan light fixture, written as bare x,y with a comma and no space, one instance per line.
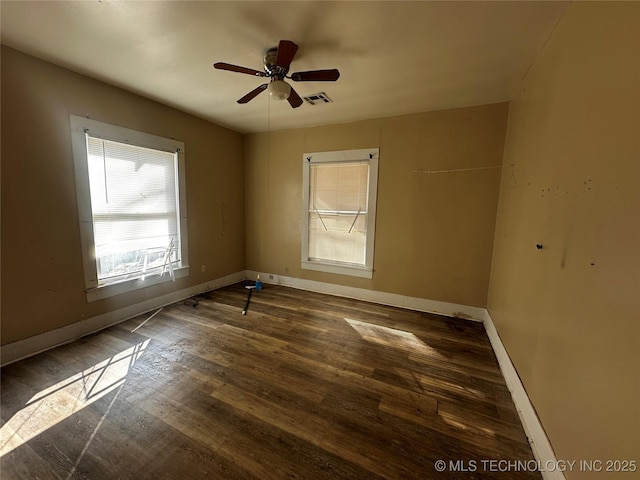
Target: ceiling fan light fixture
277,61
279,89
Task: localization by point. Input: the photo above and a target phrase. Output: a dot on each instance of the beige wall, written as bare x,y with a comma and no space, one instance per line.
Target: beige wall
433,234
569,314
42,280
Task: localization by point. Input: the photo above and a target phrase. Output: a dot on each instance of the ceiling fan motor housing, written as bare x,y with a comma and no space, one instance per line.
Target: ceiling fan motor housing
270,66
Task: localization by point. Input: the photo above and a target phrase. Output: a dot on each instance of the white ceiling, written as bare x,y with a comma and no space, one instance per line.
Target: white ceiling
394,57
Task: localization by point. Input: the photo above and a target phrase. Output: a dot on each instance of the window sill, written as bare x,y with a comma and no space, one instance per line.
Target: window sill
338,269
113,289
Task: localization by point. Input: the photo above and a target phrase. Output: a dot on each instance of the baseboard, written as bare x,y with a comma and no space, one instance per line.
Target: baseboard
383,298
15,351
540,445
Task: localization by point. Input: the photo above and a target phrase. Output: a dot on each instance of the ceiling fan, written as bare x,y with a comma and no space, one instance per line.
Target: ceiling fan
276,66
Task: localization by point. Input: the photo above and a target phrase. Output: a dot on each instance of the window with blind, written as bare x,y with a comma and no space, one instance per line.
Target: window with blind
131,206
339,211
134,202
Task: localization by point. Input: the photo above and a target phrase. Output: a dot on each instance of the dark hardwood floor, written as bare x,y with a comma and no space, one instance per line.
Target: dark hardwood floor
305,386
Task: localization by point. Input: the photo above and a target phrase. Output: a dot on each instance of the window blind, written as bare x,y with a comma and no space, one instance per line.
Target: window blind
134,202
338,210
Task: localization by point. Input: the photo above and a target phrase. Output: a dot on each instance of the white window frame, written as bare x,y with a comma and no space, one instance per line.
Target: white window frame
80,127
370,155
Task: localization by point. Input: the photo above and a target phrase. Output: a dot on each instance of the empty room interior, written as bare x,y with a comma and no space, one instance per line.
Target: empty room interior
268,240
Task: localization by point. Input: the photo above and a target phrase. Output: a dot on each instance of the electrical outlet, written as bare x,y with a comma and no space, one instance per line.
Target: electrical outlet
203,268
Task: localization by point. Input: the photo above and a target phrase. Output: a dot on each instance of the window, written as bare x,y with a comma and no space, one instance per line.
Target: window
130,190
339,211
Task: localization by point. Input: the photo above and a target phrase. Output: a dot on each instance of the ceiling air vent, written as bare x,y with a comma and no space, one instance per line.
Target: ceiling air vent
317,99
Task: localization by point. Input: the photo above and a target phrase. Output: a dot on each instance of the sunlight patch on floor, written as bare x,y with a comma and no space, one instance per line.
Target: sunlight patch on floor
464,424
392,337
57,402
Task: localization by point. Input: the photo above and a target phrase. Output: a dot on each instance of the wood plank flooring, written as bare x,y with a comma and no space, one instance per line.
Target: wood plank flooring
305,386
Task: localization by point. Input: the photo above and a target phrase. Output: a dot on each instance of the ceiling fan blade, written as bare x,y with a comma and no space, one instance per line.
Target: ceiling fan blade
294,99
236,68
286,51
316,76
253,93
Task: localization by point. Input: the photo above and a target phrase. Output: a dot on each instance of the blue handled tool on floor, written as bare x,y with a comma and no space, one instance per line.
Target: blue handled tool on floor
251,288
246,305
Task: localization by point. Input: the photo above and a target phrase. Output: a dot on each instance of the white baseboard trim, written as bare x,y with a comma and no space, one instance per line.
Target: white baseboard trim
540,445
12,352
383,298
